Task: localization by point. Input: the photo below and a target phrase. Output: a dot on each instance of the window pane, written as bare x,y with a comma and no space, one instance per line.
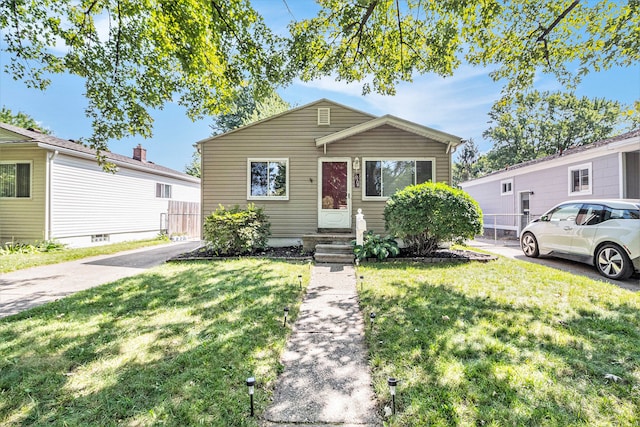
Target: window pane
23,175
259,178
396,175
566,213
373,176
424,171
575,175
167,191
7,180
277,178
334,185
584,180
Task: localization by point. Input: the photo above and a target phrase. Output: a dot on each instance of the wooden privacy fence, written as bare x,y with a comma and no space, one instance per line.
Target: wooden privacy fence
183,219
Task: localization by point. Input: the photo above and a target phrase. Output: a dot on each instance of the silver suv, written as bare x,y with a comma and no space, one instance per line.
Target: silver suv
604,233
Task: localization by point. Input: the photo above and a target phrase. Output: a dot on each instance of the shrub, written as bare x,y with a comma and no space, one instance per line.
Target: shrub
426,215
236,231
375,246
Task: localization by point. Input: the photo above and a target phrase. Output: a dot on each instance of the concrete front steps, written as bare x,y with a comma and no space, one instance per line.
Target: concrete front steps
330,247
334,253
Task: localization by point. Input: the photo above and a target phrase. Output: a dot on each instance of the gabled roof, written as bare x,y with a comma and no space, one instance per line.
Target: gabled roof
50,142
629,140
396,122
282,114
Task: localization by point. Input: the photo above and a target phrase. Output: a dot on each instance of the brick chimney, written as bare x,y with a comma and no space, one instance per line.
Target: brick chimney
140,154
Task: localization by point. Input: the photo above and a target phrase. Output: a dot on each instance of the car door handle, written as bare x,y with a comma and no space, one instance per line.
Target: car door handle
567,228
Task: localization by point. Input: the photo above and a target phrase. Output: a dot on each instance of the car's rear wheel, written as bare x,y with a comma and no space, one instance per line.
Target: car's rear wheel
529,245
613,263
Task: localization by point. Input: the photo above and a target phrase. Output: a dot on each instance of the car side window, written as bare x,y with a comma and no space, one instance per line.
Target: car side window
565,213
590,215
611,213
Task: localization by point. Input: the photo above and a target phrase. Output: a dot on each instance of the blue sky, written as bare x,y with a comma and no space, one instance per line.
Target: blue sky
457,105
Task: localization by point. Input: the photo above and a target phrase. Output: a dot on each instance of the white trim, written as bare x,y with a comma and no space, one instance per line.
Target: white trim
510,190
443,137
266,159
363,175
21,162
622,174
573,168
625,145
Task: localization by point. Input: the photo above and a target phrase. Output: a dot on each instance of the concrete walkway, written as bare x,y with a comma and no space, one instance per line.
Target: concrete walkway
24,289
326,379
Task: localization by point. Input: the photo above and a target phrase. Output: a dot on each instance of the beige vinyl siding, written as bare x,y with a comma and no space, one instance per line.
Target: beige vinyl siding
23,219
292,136
387,142
88,201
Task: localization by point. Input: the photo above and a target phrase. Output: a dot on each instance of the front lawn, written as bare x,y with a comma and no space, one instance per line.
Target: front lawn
502,344
173,346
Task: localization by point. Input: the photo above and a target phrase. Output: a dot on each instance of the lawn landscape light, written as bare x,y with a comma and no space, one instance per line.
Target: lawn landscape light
286,313
372,318
300,280
392,389
361,282
251,382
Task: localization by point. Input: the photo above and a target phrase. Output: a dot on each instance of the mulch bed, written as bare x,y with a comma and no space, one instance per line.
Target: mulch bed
298,253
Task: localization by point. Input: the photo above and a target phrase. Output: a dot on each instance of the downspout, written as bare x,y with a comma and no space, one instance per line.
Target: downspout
51,156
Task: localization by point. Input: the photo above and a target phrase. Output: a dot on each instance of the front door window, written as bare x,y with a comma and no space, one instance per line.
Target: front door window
334,185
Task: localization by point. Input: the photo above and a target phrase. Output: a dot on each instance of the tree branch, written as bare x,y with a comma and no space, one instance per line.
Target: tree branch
401,38
546,32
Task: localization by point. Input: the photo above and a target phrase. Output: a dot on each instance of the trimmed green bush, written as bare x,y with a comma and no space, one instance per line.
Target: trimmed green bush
236,231
374,245
426,215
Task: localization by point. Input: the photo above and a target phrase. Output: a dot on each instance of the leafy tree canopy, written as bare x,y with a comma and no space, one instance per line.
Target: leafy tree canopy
538,124
137,55
20,119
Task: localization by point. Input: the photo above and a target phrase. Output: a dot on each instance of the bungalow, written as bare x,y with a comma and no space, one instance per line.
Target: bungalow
53,189
311,168
510,198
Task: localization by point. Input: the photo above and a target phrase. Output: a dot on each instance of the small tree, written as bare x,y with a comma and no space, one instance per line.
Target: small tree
425,215
236,231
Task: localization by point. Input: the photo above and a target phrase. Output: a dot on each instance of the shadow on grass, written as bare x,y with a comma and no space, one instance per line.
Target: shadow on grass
470,359
171,347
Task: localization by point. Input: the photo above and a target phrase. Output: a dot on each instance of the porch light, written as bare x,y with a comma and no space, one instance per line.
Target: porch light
392,382
356,164
251,382
286,313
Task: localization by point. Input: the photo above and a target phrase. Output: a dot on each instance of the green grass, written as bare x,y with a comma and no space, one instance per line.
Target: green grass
172,346
18,261
507,343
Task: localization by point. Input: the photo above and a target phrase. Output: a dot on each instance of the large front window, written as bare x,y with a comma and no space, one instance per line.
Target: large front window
268,179
15,180
385,177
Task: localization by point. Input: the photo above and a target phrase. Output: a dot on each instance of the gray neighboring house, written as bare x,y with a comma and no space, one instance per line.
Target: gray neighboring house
509,198
311,168
53,189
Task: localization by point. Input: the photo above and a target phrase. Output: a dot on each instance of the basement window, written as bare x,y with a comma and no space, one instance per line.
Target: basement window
96,238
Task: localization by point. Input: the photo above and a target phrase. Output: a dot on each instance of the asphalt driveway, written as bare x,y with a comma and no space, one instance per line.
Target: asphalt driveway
24,289
511,249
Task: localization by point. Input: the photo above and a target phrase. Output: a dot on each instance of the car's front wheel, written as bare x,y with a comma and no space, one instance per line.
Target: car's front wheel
529,245
613,263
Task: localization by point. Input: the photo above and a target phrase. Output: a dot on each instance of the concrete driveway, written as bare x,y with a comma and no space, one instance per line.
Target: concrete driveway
511,249
24,289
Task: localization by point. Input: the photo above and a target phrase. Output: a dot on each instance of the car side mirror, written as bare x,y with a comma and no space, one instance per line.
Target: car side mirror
544,218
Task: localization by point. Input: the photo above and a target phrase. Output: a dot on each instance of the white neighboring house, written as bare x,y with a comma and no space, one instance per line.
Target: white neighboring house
509,198
53,189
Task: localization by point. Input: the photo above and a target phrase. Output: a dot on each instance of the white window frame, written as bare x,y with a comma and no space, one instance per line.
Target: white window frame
163,186
16,162
571,170
269,159
502,184
363,179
